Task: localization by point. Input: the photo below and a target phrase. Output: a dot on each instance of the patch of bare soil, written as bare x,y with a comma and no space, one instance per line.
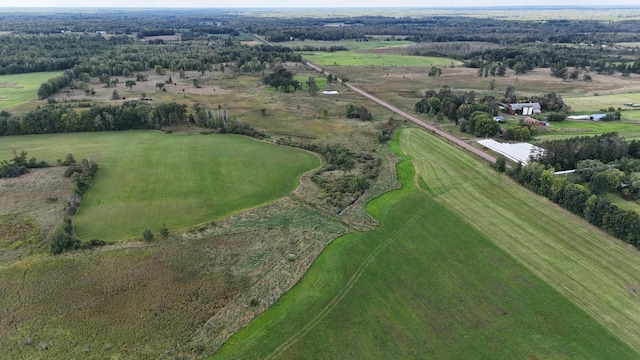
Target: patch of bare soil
39,195
10,85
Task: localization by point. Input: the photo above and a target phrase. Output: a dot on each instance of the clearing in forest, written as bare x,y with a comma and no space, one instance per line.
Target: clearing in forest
17,89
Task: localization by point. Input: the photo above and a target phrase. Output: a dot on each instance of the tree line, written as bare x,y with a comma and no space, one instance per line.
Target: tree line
597,210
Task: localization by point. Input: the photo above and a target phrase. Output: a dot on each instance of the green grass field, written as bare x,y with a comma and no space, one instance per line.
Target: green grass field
623,204
20,88
351,45
352,58
430,282
150,178
628,129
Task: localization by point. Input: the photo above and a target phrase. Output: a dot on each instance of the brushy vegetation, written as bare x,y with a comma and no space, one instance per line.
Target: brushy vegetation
346,175
19,165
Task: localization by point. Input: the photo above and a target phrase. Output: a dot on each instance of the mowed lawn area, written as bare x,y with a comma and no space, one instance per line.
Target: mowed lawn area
16,89
149,178
431,282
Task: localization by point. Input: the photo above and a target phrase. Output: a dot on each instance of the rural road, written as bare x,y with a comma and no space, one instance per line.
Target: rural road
410,117
404,114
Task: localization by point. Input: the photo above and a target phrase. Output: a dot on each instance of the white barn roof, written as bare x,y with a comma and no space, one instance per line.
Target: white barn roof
519,152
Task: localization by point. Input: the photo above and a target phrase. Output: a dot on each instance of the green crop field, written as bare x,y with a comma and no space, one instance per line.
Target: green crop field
20,88
150,178
352,58
439,278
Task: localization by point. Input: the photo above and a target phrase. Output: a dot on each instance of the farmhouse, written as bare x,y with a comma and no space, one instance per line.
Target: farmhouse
523,108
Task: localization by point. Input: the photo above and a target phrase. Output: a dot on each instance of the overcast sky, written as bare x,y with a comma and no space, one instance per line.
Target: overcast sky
299,3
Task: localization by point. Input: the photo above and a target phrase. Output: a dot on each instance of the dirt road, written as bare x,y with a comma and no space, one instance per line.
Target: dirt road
410,117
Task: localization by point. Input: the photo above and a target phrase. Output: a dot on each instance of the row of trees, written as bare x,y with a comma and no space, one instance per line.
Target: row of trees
55,118
565,154
597,210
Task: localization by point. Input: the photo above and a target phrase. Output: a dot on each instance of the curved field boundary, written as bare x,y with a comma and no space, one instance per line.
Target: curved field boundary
344,291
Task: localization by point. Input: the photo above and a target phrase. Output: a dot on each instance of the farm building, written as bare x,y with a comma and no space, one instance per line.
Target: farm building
535,122
520,152
330,92
523,108
595,117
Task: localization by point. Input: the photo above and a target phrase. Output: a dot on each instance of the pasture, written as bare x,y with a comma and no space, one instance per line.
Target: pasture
149,178
433,281
349,44
569,128
594,104
17,89
353,58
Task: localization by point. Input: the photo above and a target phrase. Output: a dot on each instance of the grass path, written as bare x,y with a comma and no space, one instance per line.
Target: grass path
424,284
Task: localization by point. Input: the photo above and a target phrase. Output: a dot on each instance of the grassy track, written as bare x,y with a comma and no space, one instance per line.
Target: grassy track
20,88
149,178
424,284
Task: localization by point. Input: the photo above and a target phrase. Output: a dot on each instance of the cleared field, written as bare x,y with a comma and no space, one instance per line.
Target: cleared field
20,88
596,103
629,44
353,58
426,283
628,129
150,178
352,45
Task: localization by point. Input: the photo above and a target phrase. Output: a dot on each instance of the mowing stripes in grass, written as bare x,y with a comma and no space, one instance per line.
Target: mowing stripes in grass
595,271
423,285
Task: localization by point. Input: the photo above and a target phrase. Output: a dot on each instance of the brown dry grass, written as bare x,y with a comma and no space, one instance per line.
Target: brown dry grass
27,195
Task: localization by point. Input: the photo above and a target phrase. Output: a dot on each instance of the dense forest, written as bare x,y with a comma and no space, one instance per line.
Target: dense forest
70,40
